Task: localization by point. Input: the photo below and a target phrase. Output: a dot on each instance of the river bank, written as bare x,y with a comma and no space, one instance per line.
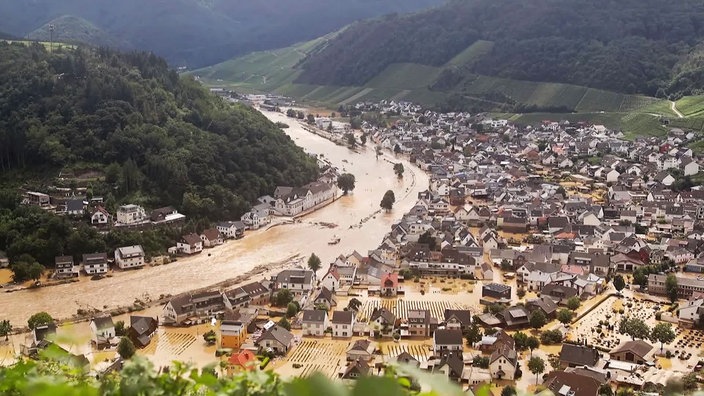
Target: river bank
236,260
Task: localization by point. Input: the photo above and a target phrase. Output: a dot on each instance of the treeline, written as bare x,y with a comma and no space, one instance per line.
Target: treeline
629,46
160,139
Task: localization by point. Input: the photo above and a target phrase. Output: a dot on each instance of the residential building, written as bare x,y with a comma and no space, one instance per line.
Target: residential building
298,281
637,351
315,322
343,323
361,350
419,323
102,330
445,340
231,229
130,214
190,244
457,319
95,263
276,339
573,355
64,268
211,238
141,330
129,257
503,363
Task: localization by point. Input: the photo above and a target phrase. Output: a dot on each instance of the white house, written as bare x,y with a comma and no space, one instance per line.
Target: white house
503,363
100,217
292,201
129,257
445,340
690,312
95,263
298,281
690,167
102,330
342,323
131,214
315,322
211,238
331,280
612,176
190,244
231,229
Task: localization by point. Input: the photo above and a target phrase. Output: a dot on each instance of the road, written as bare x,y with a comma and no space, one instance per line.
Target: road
673,106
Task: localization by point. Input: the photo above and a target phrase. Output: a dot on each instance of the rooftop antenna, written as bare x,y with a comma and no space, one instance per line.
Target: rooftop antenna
51,38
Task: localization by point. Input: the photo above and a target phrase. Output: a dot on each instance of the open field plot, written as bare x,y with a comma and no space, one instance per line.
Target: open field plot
419,351
324,356
598,100
646,104
691,105
400,308
405,76
473,53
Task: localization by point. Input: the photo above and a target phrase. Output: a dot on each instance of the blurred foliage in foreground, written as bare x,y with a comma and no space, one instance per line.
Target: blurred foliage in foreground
53,376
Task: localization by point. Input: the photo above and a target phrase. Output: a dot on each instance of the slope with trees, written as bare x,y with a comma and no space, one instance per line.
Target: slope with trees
617,45
193,32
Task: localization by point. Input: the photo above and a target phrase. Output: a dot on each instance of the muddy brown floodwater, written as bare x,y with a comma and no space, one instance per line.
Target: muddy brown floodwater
235,258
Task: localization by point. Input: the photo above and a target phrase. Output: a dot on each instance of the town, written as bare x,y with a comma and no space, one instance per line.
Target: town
559,256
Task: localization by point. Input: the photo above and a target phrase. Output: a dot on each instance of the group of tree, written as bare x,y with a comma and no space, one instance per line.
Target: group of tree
614,46
387,202
522,341
159,139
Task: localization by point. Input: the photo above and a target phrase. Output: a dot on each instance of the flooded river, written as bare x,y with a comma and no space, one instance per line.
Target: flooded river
270,247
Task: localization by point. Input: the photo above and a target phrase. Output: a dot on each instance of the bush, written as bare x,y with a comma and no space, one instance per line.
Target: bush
265,362
668,354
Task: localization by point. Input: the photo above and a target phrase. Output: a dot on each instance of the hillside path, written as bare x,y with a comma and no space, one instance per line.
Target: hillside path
673,106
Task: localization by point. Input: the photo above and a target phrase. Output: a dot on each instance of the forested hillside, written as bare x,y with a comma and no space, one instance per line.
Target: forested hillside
157,136
193,33
151,137
629,46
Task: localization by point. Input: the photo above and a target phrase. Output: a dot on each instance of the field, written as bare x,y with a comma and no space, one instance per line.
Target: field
401,307
691,106
47,44
405,76
472,53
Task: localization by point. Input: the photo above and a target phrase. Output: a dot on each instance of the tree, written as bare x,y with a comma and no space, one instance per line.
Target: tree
354,304
398,169
291,113
38,319
520,340
536,365
573,303
663,333
314,262
551,337
532,342
5,329
291,310
537,319
35,271
397,149
210,337
605,390
480,361
363,138
387,202
690,382
126,348
619,283
473,334
671,287
284,323
508,390
346,182
283,297
310,118
120,328
521,292
634,327
564,316
428,239
351,141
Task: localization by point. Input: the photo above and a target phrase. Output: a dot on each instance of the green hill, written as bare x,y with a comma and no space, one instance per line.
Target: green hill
197,33
643,47
153,137
72,29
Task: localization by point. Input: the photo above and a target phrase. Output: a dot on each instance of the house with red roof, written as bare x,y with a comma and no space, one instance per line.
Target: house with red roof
242,361
389,285
331,280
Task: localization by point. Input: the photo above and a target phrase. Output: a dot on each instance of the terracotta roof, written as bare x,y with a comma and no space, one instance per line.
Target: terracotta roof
245,359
